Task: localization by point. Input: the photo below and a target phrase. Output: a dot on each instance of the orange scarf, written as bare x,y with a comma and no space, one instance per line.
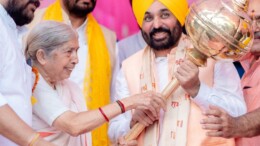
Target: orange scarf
98,70
175,121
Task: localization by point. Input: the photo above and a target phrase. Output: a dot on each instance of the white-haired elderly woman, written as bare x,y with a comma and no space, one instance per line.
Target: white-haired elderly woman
60,114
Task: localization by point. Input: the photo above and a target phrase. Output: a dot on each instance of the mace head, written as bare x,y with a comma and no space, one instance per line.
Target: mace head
220,29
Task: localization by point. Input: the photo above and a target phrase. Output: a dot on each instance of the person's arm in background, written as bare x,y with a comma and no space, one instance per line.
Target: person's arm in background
116,69
13,128
220,124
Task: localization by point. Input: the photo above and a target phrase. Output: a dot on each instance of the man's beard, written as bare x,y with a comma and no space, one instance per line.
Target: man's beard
167,43
255,49
78,11
19,14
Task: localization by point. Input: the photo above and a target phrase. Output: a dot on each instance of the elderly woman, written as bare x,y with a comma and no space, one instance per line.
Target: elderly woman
60,114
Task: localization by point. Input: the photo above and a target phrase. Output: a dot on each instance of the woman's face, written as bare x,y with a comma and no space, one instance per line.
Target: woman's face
61,61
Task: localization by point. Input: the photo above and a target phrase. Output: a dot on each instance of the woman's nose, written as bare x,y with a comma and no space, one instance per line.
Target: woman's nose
75,57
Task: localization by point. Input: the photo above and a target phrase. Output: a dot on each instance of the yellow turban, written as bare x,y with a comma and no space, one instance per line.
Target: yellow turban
179,8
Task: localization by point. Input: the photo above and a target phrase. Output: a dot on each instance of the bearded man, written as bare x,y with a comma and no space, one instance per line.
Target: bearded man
159,62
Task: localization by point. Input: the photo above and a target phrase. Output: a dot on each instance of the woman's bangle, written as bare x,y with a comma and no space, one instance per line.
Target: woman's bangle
104,115
34,139
121,105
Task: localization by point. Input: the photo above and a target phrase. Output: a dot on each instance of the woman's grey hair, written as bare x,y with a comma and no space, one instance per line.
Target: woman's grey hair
48,35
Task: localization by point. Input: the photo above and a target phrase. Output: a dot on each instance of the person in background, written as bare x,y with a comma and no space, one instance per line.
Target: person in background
244,128
15,81
59,113
129,46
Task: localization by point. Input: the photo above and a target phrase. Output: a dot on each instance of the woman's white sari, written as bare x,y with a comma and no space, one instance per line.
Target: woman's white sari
51,104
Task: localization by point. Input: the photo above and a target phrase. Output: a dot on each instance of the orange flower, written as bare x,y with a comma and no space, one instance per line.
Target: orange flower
35,71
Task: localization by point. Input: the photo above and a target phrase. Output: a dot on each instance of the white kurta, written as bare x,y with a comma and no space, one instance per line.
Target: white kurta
78,73
225,93
15,74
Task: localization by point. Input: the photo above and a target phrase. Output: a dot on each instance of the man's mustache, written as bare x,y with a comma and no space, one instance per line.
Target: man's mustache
35,2
93,1
161,29
257,35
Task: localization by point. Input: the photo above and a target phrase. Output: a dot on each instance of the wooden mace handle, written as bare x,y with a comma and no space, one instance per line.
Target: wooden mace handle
138,127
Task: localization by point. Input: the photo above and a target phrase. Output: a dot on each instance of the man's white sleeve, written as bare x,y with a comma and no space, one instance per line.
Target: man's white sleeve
226,91
120,125
2,43
2,100
114,77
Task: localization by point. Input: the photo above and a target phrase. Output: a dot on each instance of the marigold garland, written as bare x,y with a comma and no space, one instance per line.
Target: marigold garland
35,71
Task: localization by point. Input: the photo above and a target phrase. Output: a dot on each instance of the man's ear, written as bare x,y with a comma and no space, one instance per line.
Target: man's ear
41,57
